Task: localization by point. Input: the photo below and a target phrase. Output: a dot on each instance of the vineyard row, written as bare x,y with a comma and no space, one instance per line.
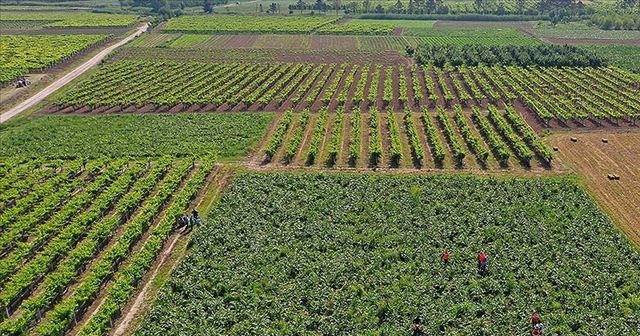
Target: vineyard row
549,93
492,139
75,231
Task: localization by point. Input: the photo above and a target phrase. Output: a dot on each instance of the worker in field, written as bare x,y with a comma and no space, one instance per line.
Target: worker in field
535,319
445,257
536,324
483,262
417,329
196,217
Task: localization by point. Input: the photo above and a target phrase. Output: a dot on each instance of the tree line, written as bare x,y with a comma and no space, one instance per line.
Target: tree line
540,55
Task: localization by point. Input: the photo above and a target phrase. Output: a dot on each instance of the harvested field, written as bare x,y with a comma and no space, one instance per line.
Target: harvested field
594,160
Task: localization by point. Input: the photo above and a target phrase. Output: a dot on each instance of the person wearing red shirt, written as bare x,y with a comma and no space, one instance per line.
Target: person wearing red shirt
483,261
535,319
445,257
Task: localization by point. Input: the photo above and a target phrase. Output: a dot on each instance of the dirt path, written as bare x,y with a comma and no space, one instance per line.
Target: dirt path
174,251
38,97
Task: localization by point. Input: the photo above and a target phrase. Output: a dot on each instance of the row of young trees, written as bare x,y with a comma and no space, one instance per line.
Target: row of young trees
540,55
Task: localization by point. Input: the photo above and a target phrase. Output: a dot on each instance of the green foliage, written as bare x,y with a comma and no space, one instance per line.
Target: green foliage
430,130
414,139
497,145
452,138
21,54
220,24
71,19
318,136
277,138
375,138
297,136
541,55
355,134
335,141
224,136
395,145
474,143
333,254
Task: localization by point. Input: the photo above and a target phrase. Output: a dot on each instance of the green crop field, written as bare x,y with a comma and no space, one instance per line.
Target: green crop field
23,53
359,254
71,19
245,24
298,167
624,56
225,136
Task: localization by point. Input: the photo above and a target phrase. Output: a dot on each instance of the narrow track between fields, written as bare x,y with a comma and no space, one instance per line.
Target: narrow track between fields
40,96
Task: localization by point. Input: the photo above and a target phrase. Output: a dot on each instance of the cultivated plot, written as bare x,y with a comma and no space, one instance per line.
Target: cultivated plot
350,254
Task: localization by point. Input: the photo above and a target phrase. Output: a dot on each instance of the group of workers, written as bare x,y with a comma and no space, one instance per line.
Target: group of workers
483,261
188,222
417,329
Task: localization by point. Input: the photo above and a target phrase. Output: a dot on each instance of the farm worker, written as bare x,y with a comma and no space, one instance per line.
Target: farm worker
189,223
184,221
539,327
482,261
417,329
445,257
179,222
196,217
535,319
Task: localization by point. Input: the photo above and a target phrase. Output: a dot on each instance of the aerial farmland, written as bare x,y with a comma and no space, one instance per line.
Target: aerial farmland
417,168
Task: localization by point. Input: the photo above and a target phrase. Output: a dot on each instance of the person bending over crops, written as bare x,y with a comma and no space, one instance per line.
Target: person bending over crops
538,329
535,319
417,329
483,262
445,257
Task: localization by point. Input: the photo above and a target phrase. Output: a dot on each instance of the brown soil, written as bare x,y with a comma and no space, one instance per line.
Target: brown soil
326,42
343,156
593,160
257,156
241,41
301,156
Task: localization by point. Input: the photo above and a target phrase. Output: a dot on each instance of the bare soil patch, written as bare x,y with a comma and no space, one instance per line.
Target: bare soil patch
593,160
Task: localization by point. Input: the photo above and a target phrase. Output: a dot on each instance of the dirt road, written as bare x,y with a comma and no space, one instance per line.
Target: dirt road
38,97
